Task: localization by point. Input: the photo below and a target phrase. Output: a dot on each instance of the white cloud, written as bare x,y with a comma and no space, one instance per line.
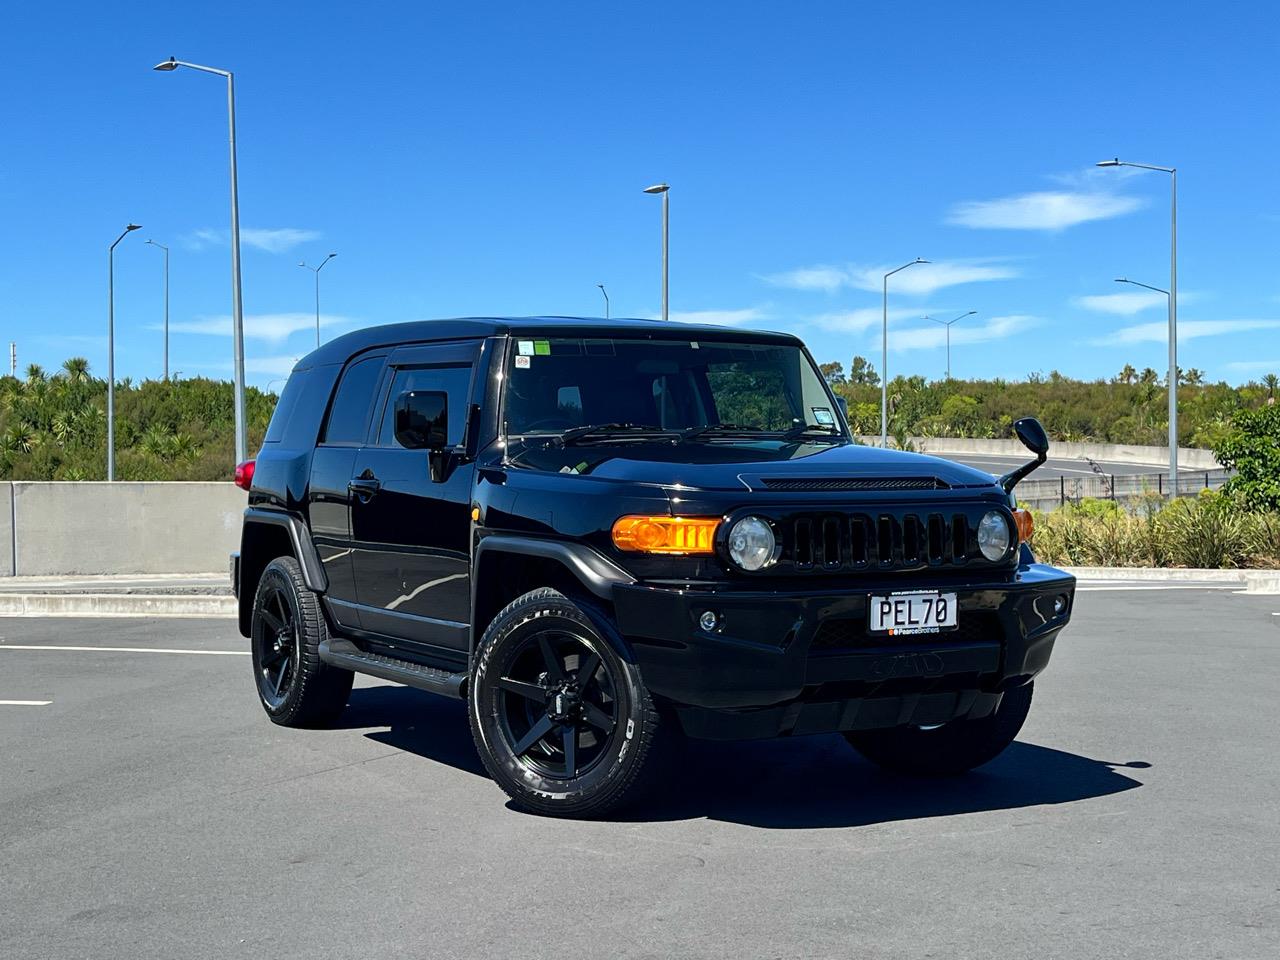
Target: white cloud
1123,304
1158,332
924,338
918,280
1043,210
272,327
272,240
723,318
863,318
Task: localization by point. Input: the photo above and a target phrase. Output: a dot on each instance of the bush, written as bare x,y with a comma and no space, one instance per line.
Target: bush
1213,530
1252,449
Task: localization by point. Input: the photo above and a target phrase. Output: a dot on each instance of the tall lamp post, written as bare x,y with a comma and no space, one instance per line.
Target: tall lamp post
237,306
884,356
316,271
166,306
947,324
111,351
663,189
1173,307
605,294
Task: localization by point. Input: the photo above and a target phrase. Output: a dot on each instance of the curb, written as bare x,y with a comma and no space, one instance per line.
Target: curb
1254,581
115,605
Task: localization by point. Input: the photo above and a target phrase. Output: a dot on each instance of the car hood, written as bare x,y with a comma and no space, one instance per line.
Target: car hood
760,465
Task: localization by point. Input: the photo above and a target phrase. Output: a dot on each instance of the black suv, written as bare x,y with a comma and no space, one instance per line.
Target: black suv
603,534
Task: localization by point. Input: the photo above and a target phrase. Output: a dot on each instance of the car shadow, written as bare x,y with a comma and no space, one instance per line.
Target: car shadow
799,783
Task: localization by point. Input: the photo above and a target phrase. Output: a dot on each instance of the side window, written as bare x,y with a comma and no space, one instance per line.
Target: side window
293,389
349,414
453,380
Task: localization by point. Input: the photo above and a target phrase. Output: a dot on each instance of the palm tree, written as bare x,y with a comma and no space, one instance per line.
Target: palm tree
35,374
1270,382
1127,375
76,370
1149,376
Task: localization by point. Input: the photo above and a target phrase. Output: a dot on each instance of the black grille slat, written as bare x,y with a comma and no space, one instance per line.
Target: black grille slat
853,483
882,538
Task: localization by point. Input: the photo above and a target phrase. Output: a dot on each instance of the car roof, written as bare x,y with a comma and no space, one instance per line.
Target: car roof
342,348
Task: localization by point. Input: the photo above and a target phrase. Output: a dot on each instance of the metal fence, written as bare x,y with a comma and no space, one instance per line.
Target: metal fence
1051,493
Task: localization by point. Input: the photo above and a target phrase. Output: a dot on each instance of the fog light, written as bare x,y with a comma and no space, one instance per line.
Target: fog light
708,621
1059,605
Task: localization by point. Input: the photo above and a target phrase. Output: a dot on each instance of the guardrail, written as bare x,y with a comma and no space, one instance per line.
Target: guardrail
1048,494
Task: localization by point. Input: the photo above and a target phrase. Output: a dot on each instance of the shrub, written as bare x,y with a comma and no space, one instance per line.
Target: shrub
1252,449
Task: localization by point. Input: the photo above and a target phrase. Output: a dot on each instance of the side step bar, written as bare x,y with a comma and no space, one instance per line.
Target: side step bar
345,654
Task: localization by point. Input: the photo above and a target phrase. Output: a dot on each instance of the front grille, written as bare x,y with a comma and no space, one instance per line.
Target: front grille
853,483
880,541
850,633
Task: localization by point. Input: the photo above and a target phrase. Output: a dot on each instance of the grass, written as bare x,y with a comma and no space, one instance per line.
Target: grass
1208,531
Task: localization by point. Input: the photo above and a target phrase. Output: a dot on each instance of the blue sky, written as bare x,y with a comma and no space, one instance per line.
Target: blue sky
474,158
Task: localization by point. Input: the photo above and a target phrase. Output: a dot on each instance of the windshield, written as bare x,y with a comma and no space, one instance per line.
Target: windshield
557,384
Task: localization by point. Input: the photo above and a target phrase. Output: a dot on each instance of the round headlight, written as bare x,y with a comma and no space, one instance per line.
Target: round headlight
751,543
993,535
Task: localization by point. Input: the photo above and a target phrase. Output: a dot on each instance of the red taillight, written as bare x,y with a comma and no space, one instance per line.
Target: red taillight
244,475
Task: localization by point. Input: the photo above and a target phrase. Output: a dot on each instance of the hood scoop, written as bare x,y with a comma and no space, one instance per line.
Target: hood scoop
828,483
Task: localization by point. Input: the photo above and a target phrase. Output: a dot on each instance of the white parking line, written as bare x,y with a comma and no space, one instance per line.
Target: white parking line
25,703
51,646
1101,587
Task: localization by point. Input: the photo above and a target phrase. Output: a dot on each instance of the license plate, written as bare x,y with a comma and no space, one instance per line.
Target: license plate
899,614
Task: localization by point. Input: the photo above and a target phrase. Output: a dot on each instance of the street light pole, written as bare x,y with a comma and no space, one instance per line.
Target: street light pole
884,356
237,306
606,299
947,324
166,306
663,189
111,351
316,271
1173,307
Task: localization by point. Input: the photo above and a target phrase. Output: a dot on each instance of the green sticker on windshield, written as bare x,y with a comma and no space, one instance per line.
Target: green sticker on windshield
542,348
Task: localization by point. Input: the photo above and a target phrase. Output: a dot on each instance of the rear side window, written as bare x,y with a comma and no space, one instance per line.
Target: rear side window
293,389
453,380
349,415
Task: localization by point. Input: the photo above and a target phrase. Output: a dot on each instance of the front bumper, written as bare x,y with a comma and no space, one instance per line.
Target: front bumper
799,662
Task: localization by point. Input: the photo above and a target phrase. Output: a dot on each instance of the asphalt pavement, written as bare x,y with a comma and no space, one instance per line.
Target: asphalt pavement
149,809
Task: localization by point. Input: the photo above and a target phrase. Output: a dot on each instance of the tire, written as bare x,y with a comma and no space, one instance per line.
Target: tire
560,745
950,749
296,688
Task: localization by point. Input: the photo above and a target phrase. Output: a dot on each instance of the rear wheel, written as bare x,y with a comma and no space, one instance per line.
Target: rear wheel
296,688
563,724
951,748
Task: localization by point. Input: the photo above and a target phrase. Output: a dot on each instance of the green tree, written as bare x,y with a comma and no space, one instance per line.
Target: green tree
1253,451
862,372
832,372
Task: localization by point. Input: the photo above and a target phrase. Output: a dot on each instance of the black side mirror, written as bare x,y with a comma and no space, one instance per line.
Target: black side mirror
1032,435
843,404
422,419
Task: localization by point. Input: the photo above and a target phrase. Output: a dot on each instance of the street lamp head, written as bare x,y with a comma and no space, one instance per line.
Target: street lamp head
1114,162
167,65
921,260
658,188
132,226
332,255
1122,279
971,313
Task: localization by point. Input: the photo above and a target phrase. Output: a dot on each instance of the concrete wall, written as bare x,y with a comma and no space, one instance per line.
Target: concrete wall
87,528
1188,457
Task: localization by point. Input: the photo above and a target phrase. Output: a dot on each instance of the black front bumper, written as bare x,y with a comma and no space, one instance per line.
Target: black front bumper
797,662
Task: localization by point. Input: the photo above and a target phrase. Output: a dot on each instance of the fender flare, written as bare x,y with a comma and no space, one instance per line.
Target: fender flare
593,570
313,572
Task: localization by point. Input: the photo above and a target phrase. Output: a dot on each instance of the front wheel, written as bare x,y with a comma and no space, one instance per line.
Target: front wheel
563,724
951,748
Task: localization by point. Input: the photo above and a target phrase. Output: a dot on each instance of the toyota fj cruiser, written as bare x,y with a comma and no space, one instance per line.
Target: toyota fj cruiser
603,534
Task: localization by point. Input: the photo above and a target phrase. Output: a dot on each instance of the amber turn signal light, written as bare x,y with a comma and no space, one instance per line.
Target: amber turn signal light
667,535
1026,526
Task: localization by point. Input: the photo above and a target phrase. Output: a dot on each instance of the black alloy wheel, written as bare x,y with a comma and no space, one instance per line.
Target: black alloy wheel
275,639
562,720
558,707
296,687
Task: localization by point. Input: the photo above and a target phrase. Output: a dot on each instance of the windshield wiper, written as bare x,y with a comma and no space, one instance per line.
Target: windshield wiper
693,433
828,431
593,430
